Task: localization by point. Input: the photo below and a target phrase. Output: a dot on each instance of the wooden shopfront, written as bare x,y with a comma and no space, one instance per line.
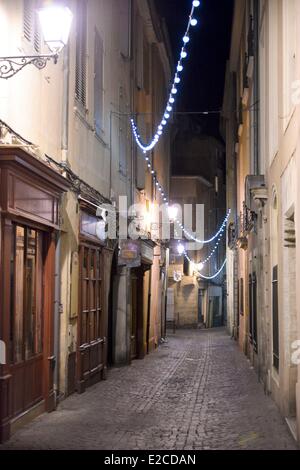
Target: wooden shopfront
30,193
141,301
95,260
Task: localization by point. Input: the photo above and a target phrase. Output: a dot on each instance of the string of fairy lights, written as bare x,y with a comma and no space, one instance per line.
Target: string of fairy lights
192,22
198,269
148,147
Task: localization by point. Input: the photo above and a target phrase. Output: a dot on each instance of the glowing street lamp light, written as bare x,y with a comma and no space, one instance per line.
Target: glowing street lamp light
56,21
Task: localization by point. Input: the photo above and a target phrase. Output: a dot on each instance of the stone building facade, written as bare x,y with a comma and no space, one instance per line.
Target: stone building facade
261,125
65,149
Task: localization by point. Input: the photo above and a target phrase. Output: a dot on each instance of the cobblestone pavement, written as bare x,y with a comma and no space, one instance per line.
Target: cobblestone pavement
195,392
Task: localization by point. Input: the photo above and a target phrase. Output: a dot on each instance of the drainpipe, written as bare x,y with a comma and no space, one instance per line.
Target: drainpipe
65,109
132,100
57,303
256,97
57,284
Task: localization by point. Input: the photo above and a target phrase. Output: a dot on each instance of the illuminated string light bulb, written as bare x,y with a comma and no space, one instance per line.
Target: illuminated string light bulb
201,275
200,266
185,39
194,22
183,54
169,108
177,80
196,3
203,242
167,115
172,100
180,249
174,91
164,122
179,68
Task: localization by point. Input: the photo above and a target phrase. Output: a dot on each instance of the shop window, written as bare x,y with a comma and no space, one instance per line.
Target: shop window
90,296
26,294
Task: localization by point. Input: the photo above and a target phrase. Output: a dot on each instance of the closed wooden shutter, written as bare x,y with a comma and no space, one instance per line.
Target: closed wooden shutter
98,83
250,293
275,318
123,131
254,306
140,162
81,53
139,54
27,19
241,296
36,34
31,26
146,66
124,27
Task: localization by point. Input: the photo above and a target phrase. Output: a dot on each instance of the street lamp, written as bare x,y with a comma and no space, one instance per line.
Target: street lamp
55,21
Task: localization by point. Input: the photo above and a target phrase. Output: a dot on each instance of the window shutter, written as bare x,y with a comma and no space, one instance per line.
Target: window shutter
31,26
254,304
275,318
36,33
139,54
98,83
250,293
124,25
146,66
241,291
28,19
123,132
81,60
140,161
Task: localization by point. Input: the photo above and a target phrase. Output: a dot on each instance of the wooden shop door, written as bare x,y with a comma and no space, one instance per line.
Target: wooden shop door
91,359
134,336
27,318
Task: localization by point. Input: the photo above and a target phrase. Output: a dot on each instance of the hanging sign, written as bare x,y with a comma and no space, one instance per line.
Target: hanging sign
130,253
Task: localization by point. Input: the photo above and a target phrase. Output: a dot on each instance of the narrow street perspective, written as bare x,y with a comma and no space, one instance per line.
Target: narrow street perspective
196,392
149,215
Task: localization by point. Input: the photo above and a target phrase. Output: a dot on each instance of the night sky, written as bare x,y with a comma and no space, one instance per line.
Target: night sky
203,76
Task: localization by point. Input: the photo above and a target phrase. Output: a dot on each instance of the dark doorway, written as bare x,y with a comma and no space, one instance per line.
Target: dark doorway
111,309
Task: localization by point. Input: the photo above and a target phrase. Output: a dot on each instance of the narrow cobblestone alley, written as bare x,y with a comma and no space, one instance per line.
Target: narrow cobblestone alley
195,392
